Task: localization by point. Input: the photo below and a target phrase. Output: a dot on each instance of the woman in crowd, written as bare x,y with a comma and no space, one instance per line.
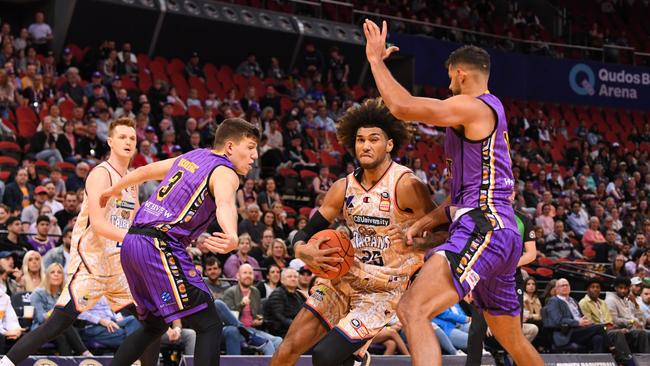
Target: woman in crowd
271,283
32,270
231,267
43,300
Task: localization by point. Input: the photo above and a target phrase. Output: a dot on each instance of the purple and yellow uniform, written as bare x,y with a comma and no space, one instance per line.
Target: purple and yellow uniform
484,244
162,278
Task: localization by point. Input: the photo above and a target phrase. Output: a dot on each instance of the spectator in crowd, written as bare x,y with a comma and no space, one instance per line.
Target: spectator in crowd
10,329
455,323
578,219
145,155
72,90
61,253
41,242
234,262
128,62
244,298
14,241
639,260
71,202
44,299
193,67
312,63
272,281
598,312
559,245
617,269
545,220
259,252
4,216
250,67
252,225
176,334
51,188
594,242
55,230
322,182
532,312
277,254
304,281
245,196
275,71
625,314
18,194
644,303
106,327
323,120
213,278
562,312
40,33
31,212
32,270
269,195
77,181
284,303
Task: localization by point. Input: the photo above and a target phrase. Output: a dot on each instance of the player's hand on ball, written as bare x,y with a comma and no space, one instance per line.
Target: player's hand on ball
106,196
376,41
219,243
316,258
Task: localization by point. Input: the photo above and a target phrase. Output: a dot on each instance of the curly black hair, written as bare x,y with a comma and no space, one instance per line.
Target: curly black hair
372,113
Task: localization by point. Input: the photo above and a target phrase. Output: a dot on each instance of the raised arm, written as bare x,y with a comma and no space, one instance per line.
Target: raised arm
154,171
460,110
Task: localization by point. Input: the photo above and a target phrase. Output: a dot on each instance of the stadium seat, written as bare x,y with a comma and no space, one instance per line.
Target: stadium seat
27,122
10,149
305,211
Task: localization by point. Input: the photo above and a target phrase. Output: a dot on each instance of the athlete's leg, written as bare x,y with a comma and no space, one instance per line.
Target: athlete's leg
137,343
208,327
151,353
425,299
305,331
507,330
55,325
334,340
74,341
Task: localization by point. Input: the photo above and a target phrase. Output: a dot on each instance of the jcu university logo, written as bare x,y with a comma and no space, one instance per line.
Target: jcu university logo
582,80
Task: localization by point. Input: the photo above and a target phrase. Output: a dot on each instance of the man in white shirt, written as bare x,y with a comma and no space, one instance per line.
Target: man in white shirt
40,32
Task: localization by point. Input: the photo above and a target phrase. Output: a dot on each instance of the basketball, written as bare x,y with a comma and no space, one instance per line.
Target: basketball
337,240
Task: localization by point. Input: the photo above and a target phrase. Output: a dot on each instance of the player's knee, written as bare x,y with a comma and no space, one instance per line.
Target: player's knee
405,311
322,356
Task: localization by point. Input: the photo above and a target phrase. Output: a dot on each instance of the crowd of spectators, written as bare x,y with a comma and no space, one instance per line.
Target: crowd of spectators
589,204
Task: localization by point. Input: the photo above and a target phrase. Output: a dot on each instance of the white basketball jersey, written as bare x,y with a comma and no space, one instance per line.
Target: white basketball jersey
99,255
368,214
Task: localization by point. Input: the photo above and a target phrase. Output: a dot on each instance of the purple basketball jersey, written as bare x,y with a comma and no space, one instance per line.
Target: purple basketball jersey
183,206
481,171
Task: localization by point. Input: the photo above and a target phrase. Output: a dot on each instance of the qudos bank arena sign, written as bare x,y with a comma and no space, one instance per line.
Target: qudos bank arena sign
607,83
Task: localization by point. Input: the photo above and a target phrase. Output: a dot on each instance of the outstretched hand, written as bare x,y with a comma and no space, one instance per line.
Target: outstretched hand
106,196
376,41
219,243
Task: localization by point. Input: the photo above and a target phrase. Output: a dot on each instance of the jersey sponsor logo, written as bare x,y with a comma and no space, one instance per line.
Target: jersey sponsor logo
320,293
384,203
125,204
359,327
370,220
165,297
45,362
157,210
120,222
472,279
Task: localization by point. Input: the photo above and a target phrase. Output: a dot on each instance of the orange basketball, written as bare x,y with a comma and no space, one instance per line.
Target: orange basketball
337,240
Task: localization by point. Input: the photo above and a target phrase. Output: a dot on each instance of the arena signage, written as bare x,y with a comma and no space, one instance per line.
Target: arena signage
611,83
537,78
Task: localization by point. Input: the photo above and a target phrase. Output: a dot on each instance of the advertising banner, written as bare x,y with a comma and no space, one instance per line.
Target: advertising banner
536,77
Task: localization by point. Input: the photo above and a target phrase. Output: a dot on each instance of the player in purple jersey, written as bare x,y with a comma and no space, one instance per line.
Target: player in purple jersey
484,245
162,278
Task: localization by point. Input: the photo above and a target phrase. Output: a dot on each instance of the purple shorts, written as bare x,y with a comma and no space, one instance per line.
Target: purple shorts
483,261
162,278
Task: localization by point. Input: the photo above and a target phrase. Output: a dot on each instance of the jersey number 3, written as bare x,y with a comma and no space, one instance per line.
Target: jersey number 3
164,190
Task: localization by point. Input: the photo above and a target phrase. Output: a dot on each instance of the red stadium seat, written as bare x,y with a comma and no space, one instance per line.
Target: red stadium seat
195,112
27,122
305,211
